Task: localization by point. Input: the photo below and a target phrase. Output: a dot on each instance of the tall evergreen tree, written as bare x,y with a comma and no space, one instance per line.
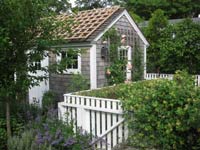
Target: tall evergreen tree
157,23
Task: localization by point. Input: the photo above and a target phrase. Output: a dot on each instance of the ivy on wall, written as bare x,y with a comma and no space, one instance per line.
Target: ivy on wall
116,71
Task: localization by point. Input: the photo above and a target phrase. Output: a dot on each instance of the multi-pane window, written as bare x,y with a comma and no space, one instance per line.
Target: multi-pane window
123,54
72,59
37,65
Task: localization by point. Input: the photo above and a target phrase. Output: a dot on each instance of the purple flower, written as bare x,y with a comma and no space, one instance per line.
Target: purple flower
55,142
46,127
38,119
58,133
52,113
29,115
47,136
69,142
39,138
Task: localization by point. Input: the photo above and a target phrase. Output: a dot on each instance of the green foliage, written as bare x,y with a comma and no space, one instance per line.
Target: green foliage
113,39
27,31
3,134
112,92
49,133
176,45
78,83
91,4
179,46
138,68
117,72
163,114
157,23
160,114
173,9
135,17
17,127
48,100
24,142
21,114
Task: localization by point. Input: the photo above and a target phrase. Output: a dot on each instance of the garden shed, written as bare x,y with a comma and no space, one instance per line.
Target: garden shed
87,34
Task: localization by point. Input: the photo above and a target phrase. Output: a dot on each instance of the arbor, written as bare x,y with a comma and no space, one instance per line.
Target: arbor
179,47
27,30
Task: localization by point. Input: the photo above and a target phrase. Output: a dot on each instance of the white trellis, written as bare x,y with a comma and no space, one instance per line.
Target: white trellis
103,118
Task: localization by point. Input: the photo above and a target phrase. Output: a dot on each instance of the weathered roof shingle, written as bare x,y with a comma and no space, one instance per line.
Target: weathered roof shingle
85,23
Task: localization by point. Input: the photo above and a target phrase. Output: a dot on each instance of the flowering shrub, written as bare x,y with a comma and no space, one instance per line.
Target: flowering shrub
49,133
161,114
116,72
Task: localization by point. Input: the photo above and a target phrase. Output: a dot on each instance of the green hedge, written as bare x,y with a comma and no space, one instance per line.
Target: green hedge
164,114
161,114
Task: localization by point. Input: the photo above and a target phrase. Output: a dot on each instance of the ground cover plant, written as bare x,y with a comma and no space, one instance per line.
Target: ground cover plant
160,114
49,133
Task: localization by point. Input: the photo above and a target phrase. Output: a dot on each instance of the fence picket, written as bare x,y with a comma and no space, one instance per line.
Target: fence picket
150,76
100,117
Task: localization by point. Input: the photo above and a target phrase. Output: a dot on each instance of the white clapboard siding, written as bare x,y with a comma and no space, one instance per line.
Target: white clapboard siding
98,116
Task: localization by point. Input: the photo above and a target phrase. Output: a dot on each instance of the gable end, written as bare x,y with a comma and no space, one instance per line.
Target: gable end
133,24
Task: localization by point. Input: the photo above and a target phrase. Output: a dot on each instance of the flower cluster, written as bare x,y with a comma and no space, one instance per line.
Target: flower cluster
54,133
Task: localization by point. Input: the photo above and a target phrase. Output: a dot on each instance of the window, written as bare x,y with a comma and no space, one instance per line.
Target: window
123,52
37,65
73,61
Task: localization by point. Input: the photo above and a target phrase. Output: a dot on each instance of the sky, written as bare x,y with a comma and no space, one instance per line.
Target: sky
72,2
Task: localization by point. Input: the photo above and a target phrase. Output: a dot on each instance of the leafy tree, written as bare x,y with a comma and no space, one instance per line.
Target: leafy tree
179,47
157,23
90,4
27,30
59,6
138,68
173,9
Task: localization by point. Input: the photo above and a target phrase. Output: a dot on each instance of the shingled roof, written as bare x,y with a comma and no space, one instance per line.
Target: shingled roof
89,22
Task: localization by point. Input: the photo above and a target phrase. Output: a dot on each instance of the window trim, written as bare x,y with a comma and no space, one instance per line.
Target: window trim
70,70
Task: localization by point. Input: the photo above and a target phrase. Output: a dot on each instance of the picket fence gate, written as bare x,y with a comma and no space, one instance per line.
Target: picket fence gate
150,76
103,118
100,117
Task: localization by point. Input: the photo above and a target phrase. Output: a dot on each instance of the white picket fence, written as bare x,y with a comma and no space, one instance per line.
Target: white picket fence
150,76
102,118
98,116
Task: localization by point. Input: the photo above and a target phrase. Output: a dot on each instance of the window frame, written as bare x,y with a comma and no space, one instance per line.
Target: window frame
70,70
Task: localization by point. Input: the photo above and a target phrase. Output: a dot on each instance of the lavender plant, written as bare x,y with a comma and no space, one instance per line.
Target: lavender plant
49,133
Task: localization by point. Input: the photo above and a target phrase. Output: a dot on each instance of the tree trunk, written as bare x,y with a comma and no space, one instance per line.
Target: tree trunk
8,126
